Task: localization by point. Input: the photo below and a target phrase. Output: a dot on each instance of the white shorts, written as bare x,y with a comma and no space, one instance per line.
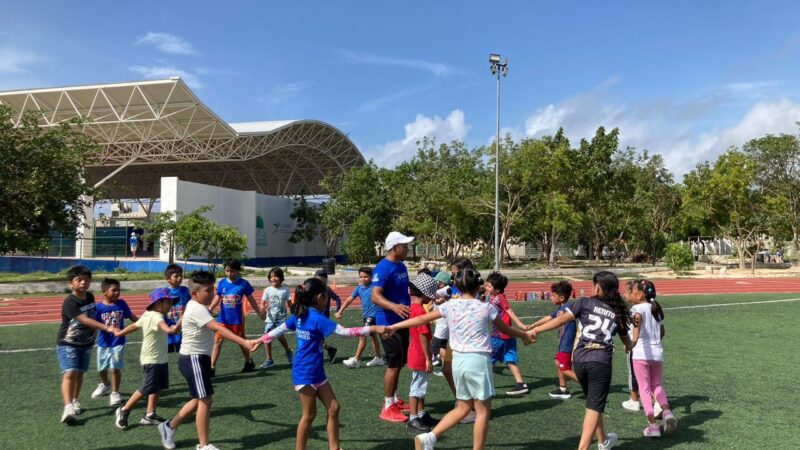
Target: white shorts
314,386
110,358
419,384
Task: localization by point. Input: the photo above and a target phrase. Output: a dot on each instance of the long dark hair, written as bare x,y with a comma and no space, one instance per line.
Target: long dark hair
649,290
609,284
305,295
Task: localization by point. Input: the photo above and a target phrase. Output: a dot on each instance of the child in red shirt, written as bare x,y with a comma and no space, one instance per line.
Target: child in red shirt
504,347
423,291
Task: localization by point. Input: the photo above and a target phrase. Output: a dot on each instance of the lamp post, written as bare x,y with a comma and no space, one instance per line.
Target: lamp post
497,68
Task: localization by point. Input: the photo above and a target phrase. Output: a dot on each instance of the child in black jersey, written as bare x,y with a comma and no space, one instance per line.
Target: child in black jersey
601,317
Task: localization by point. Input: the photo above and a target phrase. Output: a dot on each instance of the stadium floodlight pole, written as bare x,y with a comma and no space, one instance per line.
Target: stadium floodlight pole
497,68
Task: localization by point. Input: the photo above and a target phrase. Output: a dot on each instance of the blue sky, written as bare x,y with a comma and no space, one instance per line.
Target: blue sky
685,79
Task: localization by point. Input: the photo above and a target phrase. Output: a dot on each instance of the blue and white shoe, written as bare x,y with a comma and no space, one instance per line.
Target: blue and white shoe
267,364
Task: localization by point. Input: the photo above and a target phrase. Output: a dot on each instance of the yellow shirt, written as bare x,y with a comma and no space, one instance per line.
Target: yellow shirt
154,340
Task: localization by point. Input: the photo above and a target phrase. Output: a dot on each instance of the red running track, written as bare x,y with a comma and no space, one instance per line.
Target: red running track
48,309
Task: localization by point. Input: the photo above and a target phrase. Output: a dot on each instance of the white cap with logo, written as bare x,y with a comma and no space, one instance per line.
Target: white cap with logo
397,238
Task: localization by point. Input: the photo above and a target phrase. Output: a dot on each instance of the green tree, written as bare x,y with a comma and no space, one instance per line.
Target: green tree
434,194
724,196
223,242
777,161
551,213
43,186
360,242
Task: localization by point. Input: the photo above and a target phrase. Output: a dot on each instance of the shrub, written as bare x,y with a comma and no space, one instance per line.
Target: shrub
678,257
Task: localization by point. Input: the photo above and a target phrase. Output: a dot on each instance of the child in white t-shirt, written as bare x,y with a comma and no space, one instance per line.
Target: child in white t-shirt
648,355
276,305
468,320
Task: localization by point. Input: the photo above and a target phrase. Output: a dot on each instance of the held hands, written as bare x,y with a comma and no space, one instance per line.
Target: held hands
254,344
529,327
338,315
118,333
379,329
110,329
388,331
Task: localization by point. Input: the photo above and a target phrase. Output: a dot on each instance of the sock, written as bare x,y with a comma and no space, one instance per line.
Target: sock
394,397
413,416
388,401
563,388
421,413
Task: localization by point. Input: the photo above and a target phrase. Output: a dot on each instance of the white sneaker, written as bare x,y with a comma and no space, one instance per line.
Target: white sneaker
352,363
611,441
631,405
167,435
69,415
76,406
115,399
470,418
657,411
424,441
376,361
207,447
101,390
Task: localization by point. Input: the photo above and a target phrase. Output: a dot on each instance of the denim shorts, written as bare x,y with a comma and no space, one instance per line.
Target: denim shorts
419,384
472,373
110,358
73,359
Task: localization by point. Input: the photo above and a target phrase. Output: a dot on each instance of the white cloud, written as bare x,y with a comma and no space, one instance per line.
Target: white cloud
167,43
436,68
442,129
155,72
15,61
681,131
284,93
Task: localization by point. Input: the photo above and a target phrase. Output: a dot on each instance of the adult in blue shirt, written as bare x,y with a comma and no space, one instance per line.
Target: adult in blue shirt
390,295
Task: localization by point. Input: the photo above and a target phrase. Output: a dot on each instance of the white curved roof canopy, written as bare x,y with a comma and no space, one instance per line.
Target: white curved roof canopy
152,129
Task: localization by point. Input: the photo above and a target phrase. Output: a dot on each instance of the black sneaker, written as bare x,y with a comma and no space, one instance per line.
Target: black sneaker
332,354
428,420
558,393
518,389
249,366
417,425
152,419
121,419
435,361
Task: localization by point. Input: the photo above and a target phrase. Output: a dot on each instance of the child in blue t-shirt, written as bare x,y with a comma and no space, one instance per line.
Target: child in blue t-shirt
561,292
308,373
111,311
174,276
231,292
368,310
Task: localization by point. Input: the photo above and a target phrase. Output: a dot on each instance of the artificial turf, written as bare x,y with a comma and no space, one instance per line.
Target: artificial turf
729,375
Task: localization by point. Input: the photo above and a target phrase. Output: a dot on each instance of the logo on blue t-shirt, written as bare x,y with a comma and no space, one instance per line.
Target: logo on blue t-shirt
112,315
232,295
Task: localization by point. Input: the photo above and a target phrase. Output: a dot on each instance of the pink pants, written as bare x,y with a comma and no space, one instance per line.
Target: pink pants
648,374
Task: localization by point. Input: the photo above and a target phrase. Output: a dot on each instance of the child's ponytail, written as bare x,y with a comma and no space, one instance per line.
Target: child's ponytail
305,296
649,290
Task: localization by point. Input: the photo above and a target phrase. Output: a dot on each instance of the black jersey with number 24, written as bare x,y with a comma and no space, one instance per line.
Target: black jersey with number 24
598,327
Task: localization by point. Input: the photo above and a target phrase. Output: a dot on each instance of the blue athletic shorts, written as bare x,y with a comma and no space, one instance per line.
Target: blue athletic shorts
504,351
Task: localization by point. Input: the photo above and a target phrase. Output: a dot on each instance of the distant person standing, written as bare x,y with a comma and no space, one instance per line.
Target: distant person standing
390,295
134,243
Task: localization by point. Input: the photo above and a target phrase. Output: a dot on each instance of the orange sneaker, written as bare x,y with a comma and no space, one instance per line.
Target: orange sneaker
402,405
393,414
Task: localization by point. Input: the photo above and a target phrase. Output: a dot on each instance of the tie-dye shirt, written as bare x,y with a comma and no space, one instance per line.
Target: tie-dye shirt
468,321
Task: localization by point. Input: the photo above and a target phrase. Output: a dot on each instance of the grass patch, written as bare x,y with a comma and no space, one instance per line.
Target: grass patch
720,363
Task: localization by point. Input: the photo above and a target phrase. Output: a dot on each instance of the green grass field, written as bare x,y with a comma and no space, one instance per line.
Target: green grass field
729,374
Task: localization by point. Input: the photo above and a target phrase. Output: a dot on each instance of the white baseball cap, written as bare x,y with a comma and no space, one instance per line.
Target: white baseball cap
397,238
